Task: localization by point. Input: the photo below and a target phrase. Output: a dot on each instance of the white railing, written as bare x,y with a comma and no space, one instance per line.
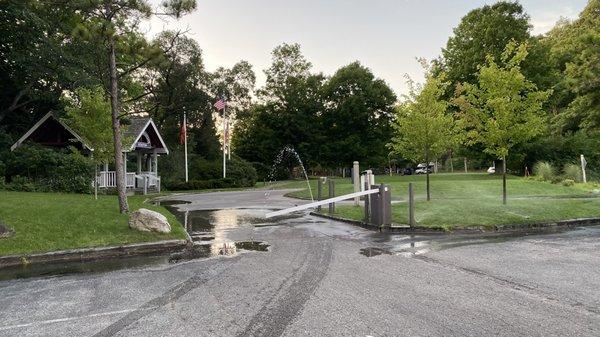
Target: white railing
108,179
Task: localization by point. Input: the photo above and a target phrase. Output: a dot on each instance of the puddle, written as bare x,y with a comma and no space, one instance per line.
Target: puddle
374,251
211,232
409,245
169,202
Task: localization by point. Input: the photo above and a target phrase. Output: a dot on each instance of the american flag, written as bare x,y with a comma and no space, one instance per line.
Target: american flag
220,104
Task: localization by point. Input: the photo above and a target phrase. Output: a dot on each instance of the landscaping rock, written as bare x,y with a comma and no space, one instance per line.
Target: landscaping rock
146,220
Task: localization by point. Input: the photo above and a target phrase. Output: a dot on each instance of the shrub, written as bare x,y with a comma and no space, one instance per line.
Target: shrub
573,172
568,182
43,169
544,171
200,184
239,171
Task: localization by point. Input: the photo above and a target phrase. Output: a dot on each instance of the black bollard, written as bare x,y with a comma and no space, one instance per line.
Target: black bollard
331,195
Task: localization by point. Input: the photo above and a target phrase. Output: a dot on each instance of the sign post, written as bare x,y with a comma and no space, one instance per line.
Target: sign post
583,165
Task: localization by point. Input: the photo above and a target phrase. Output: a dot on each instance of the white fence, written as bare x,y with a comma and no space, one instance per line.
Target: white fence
108,179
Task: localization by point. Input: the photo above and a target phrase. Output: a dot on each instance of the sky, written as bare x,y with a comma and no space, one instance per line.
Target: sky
385,35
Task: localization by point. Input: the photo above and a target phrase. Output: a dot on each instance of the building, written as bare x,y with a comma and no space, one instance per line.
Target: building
141,140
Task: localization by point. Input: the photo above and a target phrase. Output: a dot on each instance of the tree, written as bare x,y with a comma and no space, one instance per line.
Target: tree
109,22
359,108
503,109
575,53
483,31
38,60
88,112
423,128
287,113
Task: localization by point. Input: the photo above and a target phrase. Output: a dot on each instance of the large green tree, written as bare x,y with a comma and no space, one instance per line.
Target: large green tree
483,31
113,25
39,60
423,129
575,54
359,108
287,113
503,109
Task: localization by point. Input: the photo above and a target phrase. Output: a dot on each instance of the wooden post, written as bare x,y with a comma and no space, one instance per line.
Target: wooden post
95,181
411,205
155,164
356,181
331,195
125,169
583,165
139,162
504,180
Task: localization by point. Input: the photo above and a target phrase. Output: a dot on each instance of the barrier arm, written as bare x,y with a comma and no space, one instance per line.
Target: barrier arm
321,202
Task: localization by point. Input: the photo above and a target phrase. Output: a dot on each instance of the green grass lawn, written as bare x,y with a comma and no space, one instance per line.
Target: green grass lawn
465,200
45,222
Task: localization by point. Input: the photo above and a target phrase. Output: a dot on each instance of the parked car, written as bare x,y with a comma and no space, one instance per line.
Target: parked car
491,170
407,171
424,168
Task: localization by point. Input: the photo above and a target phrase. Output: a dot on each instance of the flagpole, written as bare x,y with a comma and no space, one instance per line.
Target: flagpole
185,146
224,143
228,140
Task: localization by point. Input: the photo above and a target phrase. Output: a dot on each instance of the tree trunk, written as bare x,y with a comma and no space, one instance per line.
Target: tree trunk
116,126
504,180
427,174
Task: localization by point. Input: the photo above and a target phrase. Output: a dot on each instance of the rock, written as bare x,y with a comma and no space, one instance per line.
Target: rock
4,231
146,220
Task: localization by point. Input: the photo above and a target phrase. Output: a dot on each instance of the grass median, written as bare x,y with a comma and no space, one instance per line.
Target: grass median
44,222
468,200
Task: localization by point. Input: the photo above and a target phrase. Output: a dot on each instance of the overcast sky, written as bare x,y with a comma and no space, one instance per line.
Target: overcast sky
384,35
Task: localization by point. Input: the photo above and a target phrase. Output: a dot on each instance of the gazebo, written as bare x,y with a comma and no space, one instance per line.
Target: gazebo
141,137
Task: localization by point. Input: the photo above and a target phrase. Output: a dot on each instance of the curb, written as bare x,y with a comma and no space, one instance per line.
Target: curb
568,223
86,254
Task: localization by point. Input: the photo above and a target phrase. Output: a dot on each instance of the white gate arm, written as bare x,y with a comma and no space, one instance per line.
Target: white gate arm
321,202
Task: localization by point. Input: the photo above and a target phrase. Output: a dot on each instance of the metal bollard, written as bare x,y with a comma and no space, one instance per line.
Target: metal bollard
319,192
367,203
331,195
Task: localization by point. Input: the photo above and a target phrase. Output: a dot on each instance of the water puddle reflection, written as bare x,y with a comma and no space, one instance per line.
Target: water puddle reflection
214,233
410,245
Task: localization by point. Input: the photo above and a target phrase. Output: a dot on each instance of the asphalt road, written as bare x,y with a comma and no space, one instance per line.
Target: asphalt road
315,282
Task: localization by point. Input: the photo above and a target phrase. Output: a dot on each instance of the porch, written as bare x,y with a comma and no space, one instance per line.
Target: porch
143,140
142,182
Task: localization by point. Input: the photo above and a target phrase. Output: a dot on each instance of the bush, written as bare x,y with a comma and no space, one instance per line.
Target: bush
200,184
239,171
35,168
544,171
568,182
573,172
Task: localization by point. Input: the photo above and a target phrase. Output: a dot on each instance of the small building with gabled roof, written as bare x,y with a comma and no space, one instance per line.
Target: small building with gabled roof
141,137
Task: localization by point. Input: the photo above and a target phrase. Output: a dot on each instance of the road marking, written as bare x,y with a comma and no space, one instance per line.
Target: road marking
67,319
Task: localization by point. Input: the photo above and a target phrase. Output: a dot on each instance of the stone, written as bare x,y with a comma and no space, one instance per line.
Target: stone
4,231
146,220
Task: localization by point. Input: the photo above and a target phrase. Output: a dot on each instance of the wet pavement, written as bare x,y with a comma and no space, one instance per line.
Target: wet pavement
304,276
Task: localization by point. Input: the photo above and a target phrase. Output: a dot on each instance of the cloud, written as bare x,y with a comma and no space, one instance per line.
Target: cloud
544,21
